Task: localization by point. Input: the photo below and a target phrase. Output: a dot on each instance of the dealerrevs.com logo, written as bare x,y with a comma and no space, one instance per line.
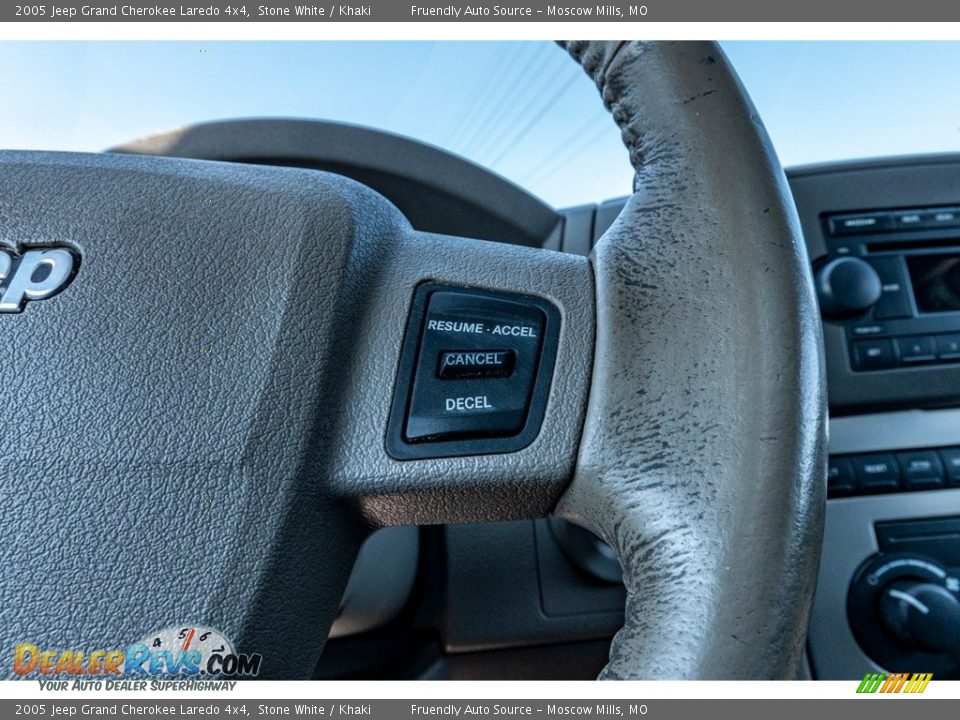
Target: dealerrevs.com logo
189,651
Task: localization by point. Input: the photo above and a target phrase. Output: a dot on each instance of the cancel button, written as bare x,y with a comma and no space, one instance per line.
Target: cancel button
463,364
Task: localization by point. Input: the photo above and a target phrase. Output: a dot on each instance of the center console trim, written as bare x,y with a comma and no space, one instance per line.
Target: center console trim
903,430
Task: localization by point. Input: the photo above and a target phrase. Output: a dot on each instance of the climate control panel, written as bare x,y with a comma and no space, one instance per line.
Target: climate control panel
904,602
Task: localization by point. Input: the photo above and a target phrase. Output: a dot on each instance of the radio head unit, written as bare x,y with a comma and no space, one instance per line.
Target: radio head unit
880,214
891,279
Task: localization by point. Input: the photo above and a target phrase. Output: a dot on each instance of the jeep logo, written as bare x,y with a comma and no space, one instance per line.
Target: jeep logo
34,274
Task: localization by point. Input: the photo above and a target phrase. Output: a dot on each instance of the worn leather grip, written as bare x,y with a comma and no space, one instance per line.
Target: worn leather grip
703,459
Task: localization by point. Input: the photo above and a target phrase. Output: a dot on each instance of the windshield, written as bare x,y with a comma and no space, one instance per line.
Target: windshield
522,109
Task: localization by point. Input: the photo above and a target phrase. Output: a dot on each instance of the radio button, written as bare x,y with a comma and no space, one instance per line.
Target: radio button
841,479
874,355
873,329
948,347
877,473
921,470
951,461
894,299
916,350
860,224
908,219
942,218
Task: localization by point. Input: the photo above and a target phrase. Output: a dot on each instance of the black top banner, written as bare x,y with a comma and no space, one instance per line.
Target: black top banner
517,11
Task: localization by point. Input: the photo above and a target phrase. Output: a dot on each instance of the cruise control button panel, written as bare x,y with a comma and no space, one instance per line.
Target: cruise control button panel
474,375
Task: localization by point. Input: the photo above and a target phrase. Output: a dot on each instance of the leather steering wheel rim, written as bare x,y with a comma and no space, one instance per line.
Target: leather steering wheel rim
703,458
201,411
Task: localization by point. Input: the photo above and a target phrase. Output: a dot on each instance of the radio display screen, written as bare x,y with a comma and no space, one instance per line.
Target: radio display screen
936,282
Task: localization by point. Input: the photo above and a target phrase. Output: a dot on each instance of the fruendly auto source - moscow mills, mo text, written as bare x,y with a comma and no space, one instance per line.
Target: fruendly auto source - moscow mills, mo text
548,11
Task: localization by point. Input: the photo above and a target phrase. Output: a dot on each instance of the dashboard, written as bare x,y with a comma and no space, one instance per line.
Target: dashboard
887,592
542,598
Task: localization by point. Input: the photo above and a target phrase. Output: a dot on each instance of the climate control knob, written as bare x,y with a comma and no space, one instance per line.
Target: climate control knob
923,615
847,286
904,611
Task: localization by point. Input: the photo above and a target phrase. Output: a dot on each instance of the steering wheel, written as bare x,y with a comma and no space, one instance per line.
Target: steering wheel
200,361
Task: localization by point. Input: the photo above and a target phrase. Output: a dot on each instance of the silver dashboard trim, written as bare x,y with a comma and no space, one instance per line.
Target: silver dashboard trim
902,430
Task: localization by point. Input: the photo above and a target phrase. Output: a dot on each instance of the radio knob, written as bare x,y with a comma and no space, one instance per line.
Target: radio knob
922,615
846,287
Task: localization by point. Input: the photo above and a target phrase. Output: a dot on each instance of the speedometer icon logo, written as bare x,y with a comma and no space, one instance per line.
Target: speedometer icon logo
191,650
184,639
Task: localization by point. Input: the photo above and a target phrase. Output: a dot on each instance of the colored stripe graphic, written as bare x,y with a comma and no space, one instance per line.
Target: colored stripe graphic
918,682
871,682
894,682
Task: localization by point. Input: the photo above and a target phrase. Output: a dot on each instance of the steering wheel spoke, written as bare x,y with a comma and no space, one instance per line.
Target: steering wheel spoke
472,477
